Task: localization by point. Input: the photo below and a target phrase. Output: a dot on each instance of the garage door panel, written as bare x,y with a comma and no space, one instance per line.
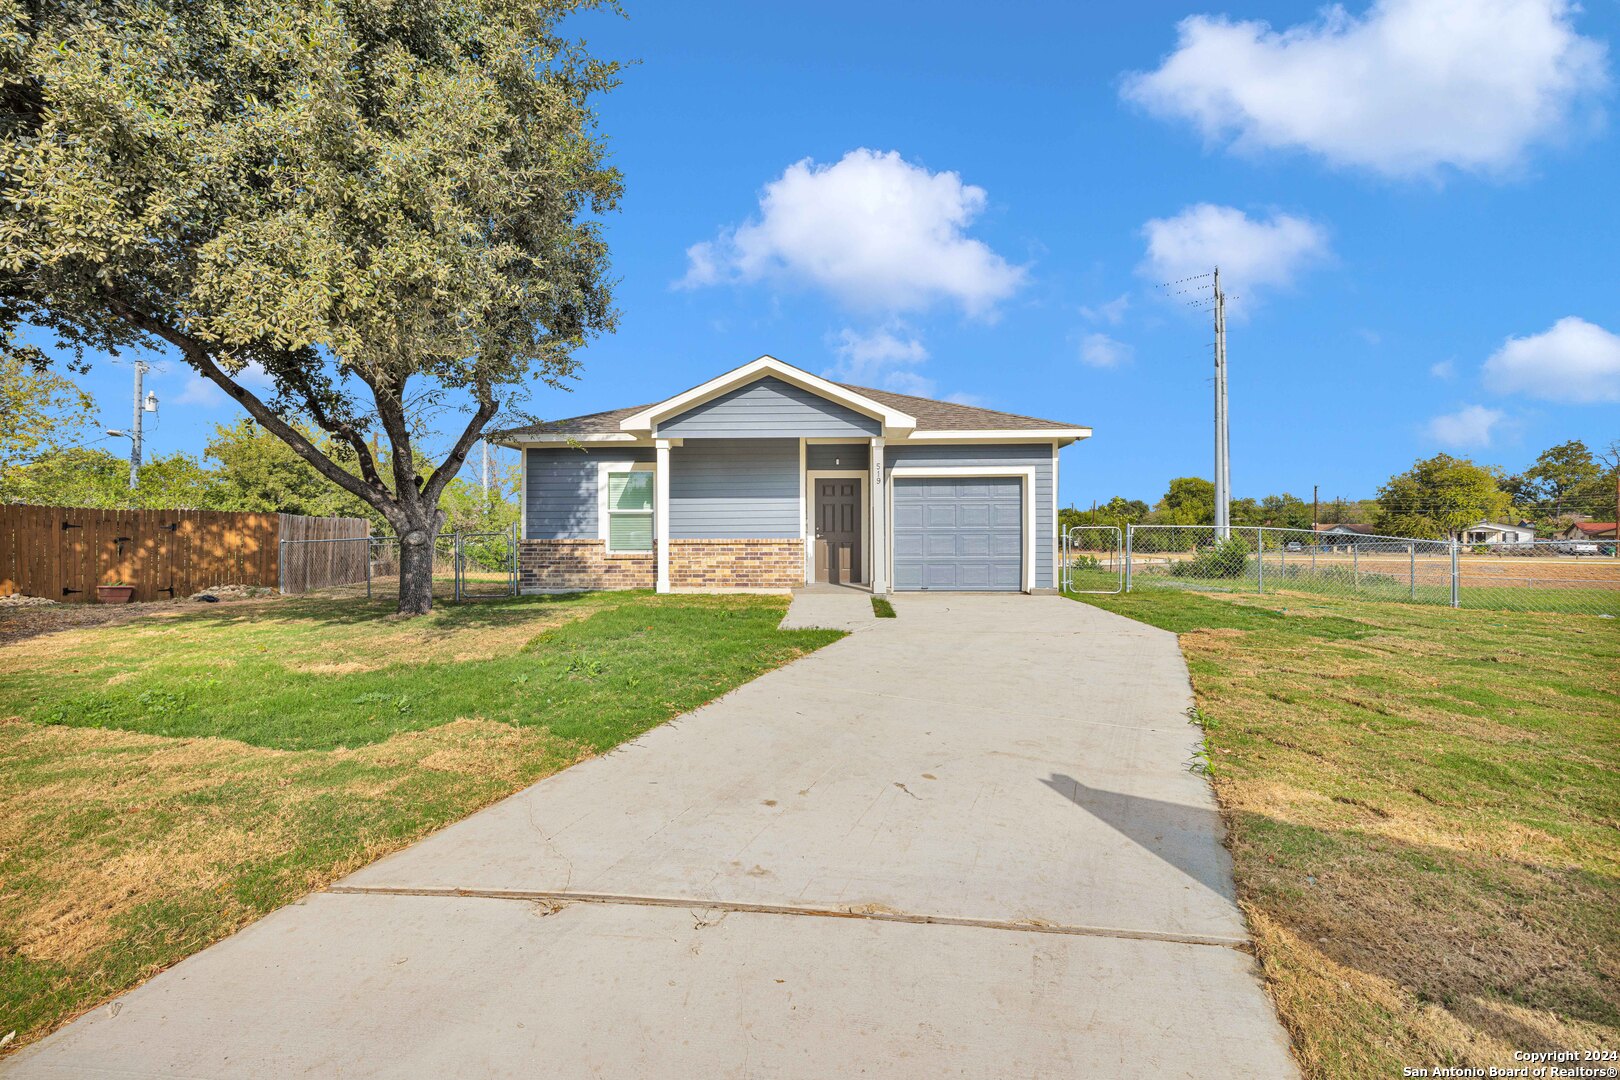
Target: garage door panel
958,533
907,516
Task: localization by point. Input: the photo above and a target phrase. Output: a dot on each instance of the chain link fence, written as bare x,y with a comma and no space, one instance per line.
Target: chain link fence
1580,578
1092,559
466,566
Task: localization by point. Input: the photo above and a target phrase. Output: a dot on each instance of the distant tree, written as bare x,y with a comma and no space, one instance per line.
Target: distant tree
96,478
1439,496
1190,500
255,470
1285,511
1559,477
391,210
41,412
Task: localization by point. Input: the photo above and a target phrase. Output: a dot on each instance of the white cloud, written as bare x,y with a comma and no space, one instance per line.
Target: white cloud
975,400
200,392
1404,89
1445,369
1470,427
1251,253
875,231
1100,350
1112,312
1574,361
886,358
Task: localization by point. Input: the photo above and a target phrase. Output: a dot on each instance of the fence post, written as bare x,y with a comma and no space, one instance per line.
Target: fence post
1456,597
281,567
368,568
1130,536
1411,553
1260,560
1355,566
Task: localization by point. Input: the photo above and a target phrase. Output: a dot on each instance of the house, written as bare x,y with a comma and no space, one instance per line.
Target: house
767,477
1493,533
1589,530
1346,535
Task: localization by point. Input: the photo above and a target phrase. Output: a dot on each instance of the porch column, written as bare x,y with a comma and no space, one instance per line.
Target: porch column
661,513
880,524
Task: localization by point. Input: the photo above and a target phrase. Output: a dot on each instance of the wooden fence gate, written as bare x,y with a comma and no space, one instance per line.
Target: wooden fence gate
63,553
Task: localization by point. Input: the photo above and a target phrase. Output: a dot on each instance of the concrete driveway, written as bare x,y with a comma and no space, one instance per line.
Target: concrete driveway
963,842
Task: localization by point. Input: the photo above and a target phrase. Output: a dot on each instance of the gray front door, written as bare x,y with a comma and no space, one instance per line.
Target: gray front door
958,533
838,530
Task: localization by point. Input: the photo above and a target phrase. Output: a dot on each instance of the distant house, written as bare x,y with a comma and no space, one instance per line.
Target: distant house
1589,530
1492,533
1346,535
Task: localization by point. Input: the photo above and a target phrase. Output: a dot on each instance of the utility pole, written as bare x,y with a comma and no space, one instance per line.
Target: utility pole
486,473
1223,465
134,434
1316,508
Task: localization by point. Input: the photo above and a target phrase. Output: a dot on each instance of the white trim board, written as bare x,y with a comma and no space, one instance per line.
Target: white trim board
969,472
866,518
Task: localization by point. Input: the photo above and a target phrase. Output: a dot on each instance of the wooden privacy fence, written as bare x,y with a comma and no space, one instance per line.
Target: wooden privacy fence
320,553
63,553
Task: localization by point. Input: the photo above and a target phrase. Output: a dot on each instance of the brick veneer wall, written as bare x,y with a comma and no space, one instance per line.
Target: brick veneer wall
567,565
736,564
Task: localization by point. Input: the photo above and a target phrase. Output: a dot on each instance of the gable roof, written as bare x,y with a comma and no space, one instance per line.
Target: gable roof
904,411
935,415
1594,528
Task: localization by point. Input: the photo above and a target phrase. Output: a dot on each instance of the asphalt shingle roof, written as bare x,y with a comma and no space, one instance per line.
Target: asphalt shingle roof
931,415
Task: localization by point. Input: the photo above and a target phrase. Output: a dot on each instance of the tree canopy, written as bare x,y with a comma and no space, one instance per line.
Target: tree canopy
390,209
1439,496
41,412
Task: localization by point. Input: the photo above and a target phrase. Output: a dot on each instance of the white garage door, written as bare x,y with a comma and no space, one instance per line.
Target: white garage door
958,533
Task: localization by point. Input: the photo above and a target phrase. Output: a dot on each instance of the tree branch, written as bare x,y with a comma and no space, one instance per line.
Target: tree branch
487,408
198,356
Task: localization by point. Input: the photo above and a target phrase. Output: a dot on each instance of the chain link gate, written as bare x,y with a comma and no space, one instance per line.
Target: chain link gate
486,564
1092,560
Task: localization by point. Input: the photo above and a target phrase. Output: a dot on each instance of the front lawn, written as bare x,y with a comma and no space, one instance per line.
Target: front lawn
1422,809
167,780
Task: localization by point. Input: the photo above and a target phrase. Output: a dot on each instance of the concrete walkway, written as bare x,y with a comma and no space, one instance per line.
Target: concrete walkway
961,842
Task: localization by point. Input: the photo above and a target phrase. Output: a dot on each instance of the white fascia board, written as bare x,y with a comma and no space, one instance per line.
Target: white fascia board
1063,436
553,438
645,420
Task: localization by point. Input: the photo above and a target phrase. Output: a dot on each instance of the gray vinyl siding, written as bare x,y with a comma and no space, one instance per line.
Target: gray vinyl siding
734,489
768,408
1037,455
822,457
560,499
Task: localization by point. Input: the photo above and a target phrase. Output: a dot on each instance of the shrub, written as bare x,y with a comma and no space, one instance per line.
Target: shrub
1224,559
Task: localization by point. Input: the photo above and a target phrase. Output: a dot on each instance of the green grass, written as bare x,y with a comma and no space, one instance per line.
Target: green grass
1376,586
882,608
1421,809
164,781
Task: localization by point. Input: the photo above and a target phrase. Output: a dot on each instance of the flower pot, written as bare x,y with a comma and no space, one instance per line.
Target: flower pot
115,594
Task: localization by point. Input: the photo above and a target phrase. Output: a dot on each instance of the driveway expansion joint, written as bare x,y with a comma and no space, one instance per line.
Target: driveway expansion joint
857,911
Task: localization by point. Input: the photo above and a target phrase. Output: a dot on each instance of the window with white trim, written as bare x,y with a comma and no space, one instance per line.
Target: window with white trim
630,511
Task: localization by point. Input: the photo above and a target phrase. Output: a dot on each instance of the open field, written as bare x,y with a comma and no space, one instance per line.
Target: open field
1421,809
166,779
1576,585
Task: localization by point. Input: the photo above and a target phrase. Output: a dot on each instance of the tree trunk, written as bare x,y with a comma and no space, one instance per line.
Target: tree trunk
415,572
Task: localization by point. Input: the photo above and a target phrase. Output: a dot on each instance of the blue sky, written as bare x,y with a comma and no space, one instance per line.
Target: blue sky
1414,203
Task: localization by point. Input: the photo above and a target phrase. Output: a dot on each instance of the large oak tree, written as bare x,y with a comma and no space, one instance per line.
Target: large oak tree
388,206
